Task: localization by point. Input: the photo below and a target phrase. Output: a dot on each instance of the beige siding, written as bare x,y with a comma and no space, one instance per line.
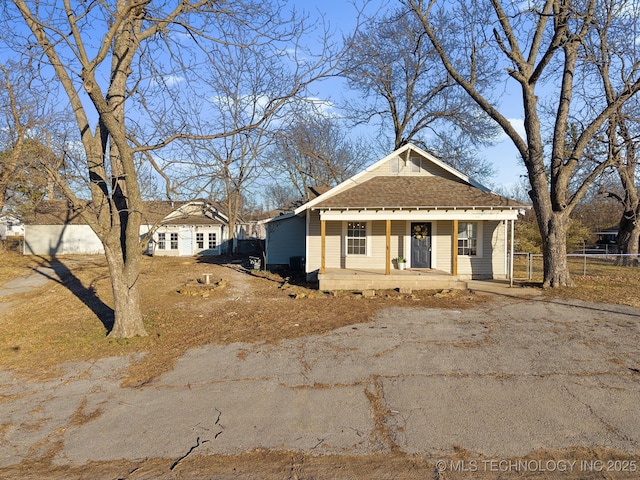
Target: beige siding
441,241
491,262
398,239
335,245
313,241
498,248
427,168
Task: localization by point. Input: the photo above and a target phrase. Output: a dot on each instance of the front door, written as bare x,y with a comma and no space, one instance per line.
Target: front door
185,242
421,245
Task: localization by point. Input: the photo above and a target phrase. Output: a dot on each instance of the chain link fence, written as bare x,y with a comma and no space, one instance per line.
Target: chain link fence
528,266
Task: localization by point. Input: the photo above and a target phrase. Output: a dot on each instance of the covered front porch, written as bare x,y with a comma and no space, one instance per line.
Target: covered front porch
437,256
380,279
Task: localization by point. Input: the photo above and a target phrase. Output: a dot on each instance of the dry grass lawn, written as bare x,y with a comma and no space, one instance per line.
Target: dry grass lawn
598,281
58,322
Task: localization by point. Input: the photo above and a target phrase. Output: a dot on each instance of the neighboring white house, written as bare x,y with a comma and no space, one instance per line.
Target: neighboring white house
196,227
192,228
409,205
11,226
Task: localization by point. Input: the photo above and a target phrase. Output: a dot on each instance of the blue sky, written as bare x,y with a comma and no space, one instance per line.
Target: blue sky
341,15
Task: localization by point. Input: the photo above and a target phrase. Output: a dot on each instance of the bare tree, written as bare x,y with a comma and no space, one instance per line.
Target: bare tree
27,139
404,87
282,197
315,150
622,132
119,63
540,45
623,151
226,169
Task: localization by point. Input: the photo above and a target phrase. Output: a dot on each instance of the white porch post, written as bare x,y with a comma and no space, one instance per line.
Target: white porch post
511,255
506,247
323,244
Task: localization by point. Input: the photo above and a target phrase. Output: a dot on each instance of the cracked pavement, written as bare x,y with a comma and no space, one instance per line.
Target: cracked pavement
505,379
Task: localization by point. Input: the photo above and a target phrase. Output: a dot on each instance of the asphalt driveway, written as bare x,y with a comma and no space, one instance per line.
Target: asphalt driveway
506,379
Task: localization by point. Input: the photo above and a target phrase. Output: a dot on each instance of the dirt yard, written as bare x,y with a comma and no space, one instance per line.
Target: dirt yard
62,321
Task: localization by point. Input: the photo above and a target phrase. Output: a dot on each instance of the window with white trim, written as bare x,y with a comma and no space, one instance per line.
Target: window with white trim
213,243
356,238
162,241
174,241
200,240
468,238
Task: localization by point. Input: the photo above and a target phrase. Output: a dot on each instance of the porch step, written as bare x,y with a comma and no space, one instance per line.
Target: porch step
338,281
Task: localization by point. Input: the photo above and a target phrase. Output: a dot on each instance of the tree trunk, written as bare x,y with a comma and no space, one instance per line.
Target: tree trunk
554,249
125,278
628,238
553,227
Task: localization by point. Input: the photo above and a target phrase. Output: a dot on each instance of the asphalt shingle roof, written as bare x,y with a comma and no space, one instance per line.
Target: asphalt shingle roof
415,191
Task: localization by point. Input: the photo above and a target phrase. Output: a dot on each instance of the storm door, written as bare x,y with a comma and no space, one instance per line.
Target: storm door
421,245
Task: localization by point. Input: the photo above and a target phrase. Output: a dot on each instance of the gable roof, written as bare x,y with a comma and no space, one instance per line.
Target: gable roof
10,217
414,191
408,190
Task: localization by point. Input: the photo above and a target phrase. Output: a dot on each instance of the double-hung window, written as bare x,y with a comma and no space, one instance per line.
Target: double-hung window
468,238
162,241
200,240
356,238
212,240
174,241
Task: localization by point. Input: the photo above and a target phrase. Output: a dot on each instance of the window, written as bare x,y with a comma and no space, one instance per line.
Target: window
212,240
200,240
174,241
394,165
162,241
416,163
468,238
356,238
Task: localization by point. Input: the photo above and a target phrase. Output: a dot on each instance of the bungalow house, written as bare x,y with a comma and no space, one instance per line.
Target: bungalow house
186,228
408,205
178,229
